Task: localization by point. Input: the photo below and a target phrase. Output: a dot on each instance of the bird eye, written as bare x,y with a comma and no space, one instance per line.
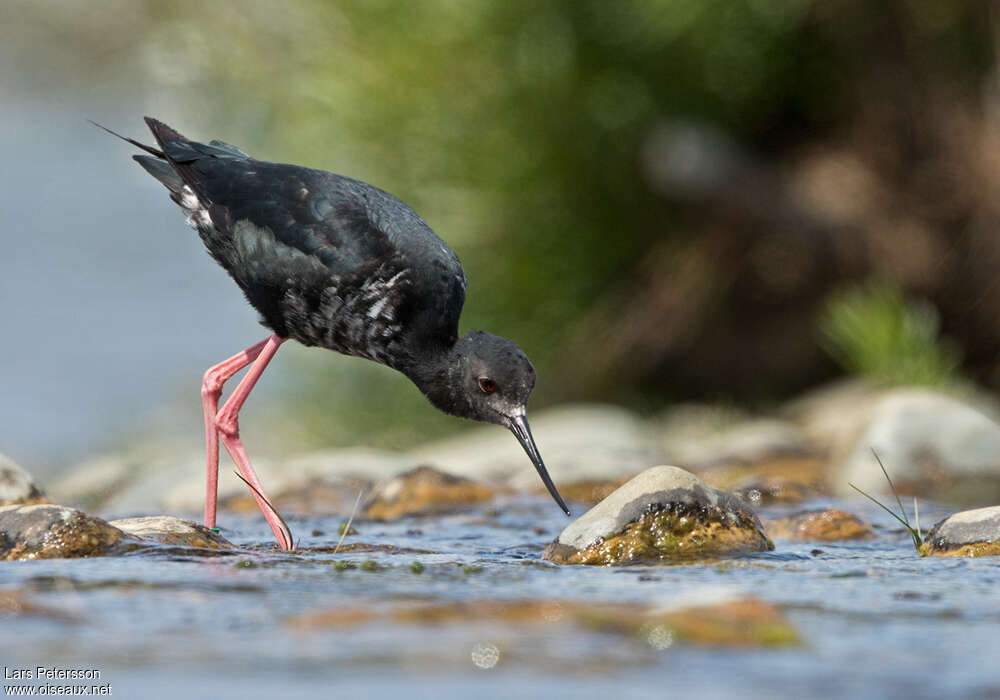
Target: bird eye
487,385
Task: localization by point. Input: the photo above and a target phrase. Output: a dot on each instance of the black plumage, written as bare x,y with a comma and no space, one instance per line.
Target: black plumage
334,262
325,259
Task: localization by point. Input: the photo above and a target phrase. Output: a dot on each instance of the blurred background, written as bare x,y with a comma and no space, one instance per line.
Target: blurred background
721,200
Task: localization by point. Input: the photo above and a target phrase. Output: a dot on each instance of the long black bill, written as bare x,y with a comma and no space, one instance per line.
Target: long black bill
519,426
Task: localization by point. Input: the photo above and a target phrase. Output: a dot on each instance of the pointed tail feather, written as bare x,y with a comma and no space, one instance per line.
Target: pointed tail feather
163,134
147,149
161,170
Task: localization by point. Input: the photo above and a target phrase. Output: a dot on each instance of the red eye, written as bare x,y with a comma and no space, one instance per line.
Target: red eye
487,385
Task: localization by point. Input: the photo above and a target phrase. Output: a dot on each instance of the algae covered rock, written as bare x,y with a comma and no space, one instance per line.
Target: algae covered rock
169,530
823,525
663,513
52,532
17,486
424,491
972,533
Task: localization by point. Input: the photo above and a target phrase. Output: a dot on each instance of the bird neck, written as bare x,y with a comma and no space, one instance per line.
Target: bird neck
438,376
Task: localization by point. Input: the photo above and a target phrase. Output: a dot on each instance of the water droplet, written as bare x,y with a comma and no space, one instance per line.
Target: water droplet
485,655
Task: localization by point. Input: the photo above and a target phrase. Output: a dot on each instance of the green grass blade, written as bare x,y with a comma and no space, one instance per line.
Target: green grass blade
880,505
892,486
287,530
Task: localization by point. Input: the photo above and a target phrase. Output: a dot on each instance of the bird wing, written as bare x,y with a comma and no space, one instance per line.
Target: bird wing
283,226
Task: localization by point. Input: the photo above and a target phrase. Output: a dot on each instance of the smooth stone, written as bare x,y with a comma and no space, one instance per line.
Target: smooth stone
823,525
578,442
425,491
699,435
665,512
586,491
53,532
968,533
932,445
167,529
780,479
17,486
135,482
833,415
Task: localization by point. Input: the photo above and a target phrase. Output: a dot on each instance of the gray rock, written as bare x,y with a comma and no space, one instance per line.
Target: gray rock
51,532
696,435
157,481
833,415
933,445
90,485
167,529
711,521
322,482
970,532
17,485
578,442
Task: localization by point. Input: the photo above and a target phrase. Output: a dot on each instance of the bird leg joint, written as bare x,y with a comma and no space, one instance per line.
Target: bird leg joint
228,424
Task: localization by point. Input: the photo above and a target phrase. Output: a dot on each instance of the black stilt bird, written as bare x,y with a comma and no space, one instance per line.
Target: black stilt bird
336,263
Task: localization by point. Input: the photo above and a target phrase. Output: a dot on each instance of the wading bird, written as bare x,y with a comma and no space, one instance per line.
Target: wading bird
335,263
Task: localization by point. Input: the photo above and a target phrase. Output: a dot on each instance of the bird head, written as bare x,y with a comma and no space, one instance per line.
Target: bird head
489,379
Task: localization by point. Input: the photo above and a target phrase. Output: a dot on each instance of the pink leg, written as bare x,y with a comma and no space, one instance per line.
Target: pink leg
211,390
227,422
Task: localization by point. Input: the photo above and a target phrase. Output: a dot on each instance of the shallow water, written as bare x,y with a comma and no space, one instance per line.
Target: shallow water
875,619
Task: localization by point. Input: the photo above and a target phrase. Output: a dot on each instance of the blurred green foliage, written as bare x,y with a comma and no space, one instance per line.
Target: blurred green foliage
518,131
524,133
521,132
875,332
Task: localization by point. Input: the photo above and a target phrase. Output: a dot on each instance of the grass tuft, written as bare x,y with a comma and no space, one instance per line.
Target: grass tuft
875,332
913,530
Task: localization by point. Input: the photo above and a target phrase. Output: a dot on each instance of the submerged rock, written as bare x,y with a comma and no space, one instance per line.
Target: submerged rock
824,525
743,622
14,603
971,533
424,491
52,532
663,513
167,529
17,486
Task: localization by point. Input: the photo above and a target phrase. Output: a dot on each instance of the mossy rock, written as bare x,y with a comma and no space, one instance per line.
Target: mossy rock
166,529
970,533
664,513
425,491
823,525
54,532
17,486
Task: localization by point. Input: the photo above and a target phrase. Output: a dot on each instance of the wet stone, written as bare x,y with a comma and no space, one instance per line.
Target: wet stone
166,529
783,479
935,446
970,533
663,513
17,487
52,532
588,491
425,491
316,496
823,525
